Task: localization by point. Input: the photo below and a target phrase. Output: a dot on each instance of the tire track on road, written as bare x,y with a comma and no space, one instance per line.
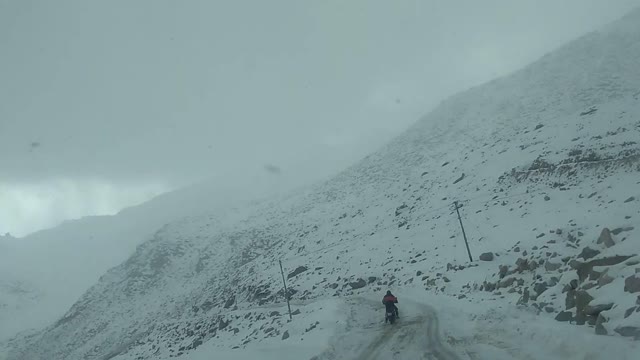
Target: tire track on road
417,337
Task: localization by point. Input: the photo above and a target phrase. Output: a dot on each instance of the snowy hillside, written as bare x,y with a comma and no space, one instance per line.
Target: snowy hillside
541,161
50,275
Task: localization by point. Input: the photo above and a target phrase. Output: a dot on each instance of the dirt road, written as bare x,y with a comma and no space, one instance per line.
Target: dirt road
415,336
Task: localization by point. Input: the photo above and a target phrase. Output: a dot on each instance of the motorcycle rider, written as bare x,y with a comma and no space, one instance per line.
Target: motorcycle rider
390,301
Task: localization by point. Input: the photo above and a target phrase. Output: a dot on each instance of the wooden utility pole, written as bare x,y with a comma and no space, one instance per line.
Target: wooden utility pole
286,292
455,203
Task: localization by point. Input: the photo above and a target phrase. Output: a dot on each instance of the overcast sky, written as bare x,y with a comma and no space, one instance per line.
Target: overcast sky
104,104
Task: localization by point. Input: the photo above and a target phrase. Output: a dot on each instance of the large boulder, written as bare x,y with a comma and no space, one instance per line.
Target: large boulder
605,279
595,310
584,269
297,271
358,284
629,331
488,256
632,284
539,288
506,282
605,238
503,270
600,329
229,303
549,266
582,301
588,253
522,265
570,300
564,316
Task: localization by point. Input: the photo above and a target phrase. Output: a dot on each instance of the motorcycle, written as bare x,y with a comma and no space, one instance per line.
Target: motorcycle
390,316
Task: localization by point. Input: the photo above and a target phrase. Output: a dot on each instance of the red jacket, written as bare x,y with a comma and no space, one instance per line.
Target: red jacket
389,299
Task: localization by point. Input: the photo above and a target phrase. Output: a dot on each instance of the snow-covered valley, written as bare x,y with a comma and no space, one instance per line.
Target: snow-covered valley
545,164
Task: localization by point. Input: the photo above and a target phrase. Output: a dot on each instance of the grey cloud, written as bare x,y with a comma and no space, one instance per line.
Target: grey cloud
178,91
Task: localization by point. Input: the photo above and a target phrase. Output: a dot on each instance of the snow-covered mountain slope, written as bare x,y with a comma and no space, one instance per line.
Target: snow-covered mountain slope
53,268
541,161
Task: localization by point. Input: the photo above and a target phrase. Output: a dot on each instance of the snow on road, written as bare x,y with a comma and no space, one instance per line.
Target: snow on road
430,328
415,336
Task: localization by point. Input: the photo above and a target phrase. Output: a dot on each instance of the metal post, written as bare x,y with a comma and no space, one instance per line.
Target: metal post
286,292
463,233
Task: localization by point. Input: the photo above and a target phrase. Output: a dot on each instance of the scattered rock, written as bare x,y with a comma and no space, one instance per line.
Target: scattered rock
503,270
312,326
605,238
547,198
594,275
629,331
372,279
582,299
630,199
298,270
459,179
522,264
539,288
446,279
516,249
632,284
597,309
488,256
564,316
621,230
609,261
605,280
588,253
573,284
600,329
549,266
629,312
229,303
539,126
506,283
418,273
525,297
540,235
585,269
588,286
570,300
285,336
359,284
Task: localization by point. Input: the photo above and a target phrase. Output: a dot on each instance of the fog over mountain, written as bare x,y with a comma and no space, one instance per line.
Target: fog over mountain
107,104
